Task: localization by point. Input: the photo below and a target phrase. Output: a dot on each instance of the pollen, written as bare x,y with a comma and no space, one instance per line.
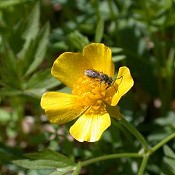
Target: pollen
94,94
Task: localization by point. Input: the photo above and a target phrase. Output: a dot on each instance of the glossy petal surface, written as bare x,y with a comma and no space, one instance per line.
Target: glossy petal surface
99,56
69,67
90,127
123,84
59,107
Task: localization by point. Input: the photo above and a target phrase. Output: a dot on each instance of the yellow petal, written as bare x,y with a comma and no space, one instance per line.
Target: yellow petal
69,67
90,127
59,107
124,82
99,57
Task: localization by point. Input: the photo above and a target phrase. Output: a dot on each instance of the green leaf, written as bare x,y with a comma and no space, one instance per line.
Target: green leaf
39,164
32,26
9,61
8,153
41,81
168,121
62,171
168,152
50,155
78,40
77,169
99,31
8,3
169,161
9,91
35,46
116,49
158,136
9,71
61,45
47,159
42,41
29,35
118,58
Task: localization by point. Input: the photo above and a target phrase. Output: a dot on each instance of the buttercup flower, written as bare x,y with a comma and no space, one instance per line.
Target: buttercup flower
88,74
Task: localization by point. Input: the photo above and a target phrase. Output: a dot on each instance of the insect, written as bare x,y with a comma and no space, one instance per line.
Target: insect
91,73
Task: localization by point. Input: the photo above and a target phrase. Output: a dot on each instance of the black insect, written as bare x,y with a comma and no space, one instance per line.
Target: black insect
99,75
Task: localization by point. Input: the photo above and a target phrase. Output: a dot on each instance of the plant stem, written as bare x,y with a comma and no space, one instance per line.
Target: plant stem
136,155
143,165
152,150
112,156
136,133
163,142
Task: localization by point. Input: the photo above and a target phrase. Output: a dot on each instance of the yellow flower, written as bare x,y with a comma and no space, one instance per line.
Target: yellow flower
88,75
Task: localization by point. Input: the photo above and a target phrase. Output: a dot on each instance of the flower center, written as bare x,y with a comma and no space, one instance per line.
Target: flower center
94,94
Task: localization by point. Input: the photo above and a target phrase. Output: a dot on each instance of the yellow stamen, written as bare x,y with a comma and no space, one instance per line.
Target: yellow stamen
94,93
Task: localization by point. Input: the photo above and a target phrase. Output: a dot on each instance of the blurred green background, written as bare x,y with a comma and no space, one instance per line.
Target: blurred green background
33,33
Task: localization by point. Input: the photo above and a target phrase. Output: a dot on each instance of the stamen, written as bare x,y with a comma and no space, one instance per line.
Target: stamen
93,93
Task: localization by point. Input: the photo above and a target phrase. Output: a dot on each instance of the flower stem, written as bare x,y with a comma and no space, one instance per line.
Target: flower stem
136,133
163,142
143,165
111,156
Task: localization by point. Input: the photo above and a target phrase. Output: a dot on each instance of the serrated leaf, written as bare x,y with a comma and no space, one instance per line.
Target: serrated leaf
42,41
32,26
9,55
99,30
27,56
47,159
50,155
28,52
8,64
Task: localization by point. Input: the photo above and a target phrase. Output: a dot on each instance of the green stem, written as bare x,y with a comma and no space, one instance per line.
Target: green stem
152,150
163,142
143,165
112,156
136,133
111,9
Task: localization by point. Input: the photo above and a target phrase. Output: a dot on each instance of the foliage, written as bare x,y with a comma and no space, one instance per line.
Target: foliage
34,33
